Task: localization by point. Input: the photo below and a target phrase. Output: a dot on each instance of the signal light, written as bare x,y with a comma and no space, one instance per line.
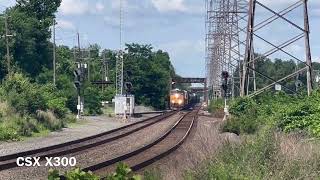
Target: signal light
77,78
225,74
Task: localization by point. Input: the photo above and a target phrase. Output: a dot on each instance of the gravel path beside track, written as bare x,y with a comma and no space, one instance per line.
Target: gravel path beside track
98,154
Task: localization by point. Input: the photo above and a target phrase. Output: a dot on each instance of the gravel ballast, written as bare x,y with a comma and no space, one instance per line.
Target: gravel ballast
203,142
88,126
100,153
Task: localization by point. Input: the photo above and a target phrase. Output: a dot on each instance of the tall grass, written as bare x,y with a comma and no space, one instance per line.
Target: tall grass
266,155
276,140
13,125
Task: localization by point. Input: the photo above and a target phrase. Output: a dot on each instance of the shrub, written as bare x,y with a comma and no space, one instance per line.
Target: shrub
123,172
49,120
8,134
243,106
26,126
55,102
75,174
244,117
24,96
92,102
13,125
215,105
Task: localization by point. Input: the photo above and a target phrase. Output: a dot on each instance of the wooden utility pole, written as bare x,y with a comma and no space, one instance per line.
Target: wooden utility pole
104,70
7,44
88,64
79,66
54,52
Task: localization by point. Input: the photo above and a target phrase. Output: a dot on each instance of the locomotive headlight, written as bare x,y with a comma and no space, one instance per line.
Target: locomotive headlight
172,101
176,95
179,101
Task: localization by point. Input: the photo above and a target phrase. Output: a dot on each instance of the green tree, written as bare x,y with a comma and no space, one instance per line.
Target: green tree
30,21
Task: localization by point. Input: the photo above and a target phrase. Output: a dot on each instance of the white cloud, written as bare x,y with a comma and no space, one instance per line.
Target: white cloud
64,24
74,7
169,5
99,7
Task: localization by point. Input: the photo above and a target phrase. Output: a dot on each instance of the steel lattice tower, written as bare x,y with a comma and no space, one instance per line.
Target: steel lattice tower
225,21
233,28
119,61
296,32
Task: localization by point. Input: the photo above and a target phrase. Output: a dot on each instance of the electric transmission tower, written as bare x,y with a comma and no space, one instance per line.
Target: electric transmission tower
233,34
294,33
224,42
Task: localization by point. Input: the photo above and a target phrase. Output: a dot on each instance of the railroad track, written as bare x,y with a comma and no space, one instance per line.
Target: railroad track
153,151
9,161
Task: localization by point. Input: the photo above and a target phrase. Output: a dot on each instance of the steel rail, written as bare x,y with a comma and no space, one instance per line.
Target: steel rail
132,154
9,161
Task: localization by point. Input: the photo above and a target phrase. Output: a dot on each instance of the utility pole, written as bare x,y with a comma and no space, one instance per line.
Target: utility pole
105,69
78,37
80,68
54,51
7,35
89,59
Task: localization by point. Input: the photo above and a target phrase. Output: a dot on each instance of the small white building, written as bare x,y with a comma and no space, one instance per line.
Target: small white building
124,105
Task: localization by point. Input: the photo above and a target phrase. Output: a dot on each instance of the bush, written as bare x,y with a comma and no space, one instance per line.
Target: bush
123,172
244,117
215,105
26,126
75,174
13,125
8,134
48,120
92,102
24,96
243,106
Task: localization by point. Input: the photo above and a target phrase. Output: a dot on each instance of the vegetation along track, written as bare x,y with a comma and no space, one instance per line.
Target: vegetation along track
9,161
157,149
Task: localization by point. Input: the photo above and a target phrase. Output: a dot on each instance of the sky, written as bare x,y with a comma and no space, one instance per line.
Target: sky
176,26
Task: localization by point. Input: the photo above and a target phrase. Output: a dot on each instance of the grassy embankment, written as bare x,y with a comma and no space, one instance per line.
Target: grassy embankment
29,109
279,140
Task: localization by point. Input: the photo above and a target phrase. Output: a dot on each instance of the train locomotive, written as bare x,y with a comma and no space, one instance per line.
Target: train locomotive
178,99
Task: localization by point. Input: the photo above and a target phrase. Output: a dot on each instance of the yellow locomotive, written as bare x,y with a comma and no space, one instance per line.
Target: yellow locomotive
178,99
